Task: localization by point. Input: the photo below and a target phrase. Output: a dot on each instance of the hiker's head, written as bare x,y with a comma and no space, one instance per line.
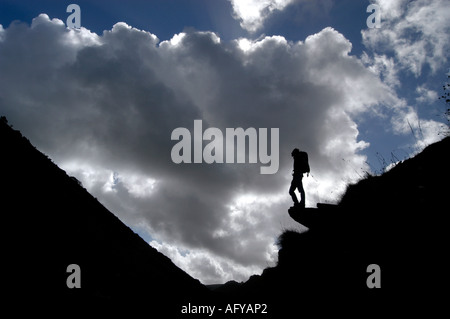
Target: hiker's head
295,152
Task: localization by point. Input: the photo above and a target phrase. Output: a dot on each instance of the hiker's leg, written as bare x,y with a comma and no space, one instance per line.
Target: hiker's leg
292,191
302,191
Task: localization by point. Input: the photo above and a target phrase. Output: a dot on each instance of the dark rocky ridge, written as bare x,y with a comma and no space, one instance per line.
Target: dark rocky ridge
396,220
50,221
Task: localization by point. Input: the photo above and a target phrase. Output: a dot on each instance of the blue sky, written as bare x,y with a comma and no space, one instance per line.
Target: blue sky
164,18
103,100
168,17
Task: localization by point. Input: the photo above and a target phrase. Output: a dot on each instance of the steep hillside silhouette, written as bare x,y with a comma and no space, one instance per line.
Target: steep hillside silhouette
396,221
50,221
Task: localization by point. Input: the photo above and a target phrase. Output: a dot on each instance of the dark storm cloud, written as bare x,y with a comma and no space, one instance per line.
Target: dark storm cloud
103,107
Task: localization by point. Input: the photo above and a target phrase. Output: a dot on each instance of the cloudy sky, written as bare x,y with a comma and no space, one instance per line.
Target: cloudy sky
102,101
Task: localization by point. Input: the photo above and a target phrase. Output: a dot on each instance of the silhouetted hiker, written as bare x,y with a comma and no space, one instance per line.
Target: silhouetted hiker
301,166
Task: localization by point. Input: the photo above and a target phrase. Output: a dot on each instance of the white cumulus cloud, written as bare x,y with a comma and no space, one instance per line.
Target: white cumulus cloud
104,106
416,32
252,13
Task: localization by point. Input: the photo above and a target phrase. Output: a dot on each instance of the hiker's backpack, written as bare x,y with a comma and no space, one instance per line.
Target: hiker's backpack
302,164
